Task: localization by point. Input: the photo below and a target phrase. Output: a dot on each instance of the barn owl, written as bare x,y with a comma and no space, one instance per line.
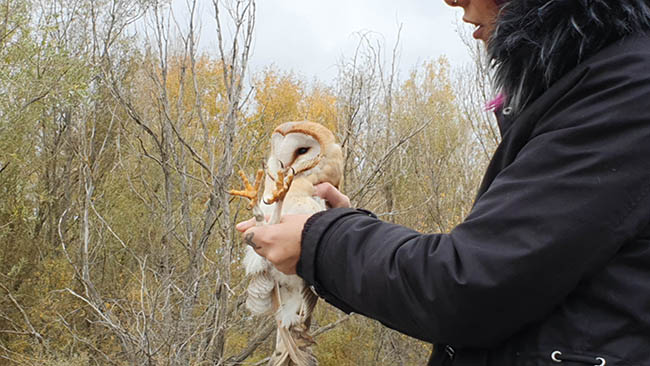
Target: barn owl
302,154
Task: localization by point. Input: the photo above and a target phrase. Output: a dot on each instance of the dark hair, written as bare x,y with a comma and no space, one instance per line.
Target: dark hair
536,42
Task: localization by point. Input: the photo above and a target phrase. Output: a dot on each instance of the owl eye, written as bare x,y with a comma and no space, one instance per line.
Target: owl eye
302,150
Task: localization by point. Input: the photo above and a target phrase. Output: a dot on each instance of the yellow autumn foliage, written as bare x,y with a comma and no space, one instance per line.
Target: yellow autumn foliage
283,96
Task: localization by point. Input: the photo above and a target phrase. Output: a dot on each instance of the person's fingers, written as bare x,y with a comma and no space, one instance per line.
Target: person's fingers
245,225
279,243
332,195
251,237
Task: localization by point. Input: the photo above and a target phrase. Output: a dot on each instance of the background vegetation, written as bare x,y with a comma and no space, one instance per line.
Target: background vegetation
117,241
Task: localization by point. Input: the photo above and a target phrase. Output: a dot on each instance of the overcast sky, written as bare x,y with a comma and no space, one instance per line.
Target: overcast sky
310,36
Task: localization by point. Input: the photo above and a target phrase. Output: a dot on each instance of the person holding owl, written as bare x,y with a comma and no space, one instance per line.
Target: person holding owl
552,265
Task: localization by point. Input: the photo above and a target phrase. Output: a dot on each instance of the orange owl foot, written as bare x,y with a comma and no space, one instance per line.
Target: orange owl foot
249,191
282,185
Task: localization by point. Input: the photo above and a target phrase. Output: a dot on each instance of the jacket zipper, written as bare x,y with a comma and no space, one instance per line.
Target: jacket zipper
451,352
559,357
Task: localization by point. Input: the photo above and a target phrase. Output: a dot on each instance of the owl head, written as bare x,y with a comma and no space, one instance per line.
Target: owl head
307,149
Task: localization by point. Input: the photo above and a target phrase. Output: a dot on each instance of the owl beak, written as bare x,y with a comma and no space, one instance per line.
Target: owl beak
307,165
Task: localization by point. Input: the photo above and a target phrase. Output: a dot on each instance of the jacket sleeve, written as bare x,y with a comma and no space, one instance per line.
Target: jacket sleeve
576,192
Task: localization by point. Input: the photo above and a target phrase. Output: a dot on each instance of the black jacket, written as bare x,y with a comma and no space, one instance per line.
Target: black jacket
554,256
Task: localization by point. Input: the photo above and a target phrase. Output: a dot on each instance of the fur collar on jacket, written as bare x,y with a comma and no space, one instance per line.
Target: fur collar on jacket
537,41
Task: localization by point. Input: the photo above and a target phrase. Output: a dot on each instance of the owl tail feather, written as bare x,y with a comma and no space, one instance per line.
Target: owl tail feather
293,343
289,353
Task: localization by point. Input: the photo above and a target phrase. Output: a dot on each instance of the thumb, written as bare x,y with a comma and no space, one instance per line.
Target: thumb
332,195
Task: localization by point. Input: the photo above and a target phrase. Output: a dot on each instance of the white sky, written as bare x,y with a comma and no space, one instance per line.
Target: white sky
310,37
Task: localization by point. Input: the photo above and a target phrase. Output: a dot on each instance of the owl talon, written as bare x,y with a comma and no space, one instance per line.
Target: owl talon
249,191
282,185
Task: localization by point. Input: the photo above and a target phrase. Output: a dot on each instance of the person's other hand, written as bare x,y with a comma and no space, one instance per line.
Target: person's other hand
279,243
333,196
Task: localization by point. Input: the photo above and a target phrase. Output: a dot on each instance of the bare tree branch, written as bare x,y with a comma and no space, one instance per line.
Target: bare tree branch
330,326
32,331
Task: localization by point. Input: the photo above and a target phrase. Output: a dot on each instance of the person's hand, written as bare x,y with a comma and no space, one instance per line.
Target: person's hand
332,195
279,243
